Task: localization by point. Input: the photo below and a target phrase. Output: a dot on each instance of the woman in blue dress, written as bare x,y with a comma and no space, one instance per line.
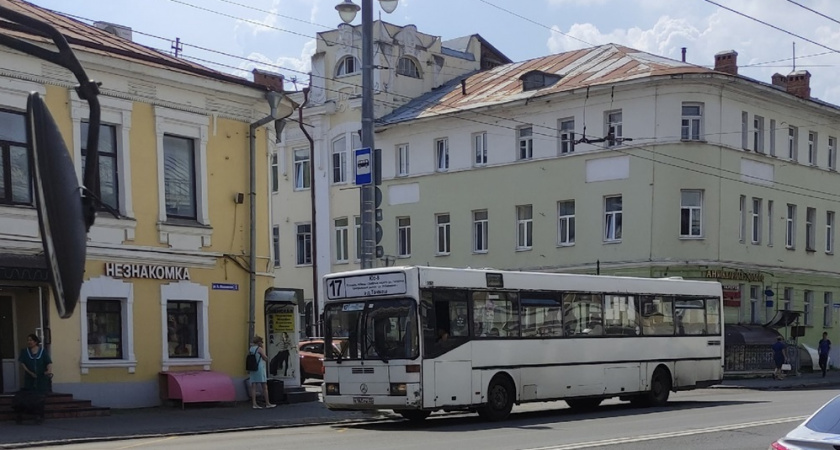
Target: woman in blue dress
37,365
258,377
779,357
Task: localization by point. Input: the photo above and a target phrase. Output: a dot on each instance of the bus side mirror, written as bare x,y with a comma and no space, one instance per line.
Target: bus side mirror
59,203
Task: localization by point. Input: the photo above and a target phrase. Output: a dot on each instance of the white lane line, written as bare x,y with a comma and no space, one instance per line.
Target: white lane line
673,434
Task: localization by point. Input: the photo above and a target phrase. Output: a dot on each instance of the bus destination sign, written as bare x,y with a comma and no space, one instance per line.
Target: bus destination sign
366,285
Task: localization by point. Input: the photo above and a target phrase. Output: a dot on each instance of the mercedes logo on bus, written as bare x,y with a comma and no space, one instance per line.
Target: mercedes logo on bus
363,388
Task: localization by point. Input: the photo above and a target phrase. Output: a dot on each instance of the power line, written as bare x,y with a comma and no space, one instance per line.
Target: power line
275,14
553,30
814,11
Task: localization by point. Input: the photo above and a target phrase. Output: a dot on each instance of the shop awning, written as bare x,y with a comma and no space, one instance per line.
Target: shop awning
23,268
749,335
783,319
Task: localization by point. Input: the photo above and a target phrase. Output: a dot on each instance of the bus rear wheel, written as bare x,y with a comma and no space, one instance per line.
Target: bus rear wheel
500,399
660,390
414,415
584,404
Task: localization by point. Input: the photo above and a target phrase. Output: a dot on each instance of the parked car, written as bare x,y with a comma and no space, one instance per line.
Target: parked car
820,431
311,353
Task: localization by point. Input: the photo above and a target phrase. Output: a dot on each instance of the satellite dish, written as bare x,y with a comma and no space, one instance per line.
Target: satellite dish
59,204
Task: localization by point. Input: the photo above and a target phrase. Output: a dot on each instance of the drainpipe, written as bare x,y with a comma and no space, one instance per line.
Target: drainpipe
274,99
316,317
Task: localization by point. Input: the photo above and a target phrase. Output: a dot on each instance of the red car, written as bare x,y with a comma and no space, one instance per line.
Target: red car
311,353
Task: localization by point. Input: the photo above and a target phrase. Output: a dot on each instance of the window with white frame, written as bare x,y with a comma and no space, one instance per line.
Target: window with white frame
303,172
691,213
790,227
808,308
182,336
612,218
524,227
758,134
742,218
408,67
828,300
793,143
107,331
481,231
342,244
755,293
770,220
813,139
403,237
772,137
745,137
614,128
525,138
348,65
275,244
339,160
566,222
275,173
829,232
755,222
442,234
303,243
480,148
179,177
567,135
832,153
402,160
357,221
787,298
108,186
692,122
810,229
442,154
185,320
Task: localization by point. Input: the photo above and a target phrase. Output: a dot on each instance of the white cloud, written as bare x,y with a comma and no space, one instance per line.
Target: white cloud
268,23
291,67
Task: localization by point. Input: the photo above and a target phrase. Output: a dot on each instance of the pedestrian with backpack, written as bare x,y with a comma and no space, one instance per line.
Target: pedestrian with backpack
255,364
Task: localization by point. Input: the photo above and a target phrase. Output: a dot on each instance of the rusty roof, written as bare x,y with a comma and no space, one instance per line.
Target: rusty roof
91,39
605,64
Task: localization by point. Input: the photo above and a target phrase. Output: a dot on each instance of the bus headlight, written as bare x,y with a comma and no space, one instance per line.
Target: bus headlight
332,389
397,389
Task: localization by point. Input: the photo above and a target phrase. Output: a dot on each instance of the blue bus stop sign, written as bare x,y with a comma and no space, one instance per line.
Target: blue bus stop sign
364,164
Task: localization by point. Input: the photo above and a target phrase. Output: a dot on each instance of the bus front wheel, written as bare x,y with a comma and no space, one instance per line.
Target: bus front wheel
500,397
414,415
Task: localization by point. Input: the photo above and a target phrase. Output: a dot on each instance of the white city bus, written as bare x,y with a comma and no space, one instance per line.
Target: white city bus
420,339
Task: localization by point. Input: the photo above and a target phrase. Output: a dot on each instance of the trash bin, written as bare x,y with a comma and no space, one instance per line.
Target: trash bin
276,391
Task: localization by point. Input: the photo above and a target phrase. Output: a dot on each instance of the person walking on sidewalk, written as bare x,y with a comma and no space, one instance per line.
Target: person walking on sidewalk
779,357
259,376
823,348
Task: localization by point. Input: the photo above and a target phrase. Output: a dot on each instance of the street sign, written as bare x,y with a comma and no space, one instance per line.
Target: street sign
225,286
363,161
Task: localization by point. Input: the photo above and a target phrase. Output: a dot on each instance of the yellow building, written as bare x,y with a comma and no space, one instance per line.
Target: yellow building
167,282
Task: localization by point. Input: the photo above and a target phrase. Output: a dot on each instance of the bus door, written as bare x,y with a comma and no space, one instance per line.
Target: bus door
447,366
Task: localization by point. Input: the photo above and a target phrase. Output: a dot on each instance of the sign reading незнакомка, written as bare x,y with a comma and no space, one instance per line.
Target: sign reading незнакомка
146,271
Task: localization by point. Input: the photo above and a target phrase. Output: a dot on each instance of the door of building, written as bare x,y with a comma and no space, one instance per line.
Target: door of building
8,365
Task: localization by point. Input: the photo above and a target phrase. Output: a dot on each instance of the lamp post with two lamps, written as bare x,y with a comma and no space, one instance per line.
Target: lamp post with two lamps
347,10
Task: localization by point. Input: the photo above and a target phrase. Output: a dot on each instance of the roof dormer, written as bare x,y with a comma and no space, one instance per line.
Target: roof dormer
537,79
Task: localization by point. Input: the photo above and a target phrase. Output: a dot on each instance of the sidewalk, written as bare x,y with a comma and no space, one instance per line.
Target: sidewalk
195,419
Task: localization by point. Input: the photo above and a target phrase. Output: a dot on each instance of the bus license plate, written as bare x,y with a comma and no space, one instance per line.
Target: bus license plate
363,400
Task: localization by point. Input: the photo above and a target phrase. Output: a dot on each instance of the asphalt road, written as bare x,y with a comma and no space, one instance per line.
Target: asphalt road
706,419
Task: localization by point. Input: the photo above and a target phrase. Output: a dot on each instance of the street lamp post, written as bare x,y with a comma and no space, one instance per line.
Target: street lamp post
347,10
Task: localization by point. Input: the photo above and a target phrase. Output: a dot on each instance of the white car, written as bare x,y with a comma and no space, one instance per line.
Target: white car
818,432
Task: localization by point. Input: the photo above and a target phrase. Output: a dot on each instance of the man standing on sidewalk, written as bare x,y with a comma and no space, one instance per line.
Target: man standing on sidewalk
824,348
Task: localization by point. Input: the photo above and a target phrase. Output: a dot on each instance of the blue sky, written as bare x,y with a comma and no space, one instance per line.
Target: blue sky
279,35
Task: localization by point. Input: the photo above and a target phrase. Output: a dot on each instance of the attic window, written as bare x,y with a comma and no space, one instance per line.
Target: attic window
537,80
347,66
406,66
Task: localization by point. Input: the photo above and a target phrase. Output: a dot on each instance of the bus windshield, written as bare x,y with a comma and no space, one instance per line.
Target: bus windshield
372,329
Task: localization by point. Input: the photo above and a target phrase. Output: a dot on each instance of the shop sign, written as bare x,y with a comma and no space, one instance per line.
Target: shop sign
731,295
735,275
147,271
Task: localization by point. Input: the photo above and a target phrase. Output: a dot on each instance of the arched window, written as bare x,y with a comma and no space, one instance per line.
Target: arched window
347,66
406,66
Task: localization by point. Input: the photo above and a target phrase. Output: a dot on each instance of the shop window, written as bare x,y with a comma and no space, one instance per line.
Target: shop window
104,336
182,329
184,316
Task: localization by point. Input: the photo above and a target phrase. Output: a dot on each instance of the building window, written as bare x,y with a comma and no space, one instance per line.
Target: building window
480,231
275,172
524,227
402,160
304,244
812,147
406,66
758,134
742,218
612,218
692,120
104,329
828,300
108,184
810,229
745,138
357,221
567,136
275,244
691,213
349,65
808,308
302,169
770,223
772,137
566,222
339,160
787,298
790,227
342,231
179,177
755,293
480,149
404,237
832,153
614,128
442,154
829,232
793,143
755,222
525,137
182,334
443,242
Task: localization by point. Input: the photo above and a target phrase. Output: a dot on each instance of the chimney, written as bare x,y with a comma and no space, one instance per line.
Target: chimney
683,53
464,86
779,80
273,81
799,84
727,62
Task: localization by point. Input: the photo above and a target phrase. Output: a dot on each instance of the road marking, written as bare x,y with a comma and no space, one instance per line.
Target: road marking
144,443
673,434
